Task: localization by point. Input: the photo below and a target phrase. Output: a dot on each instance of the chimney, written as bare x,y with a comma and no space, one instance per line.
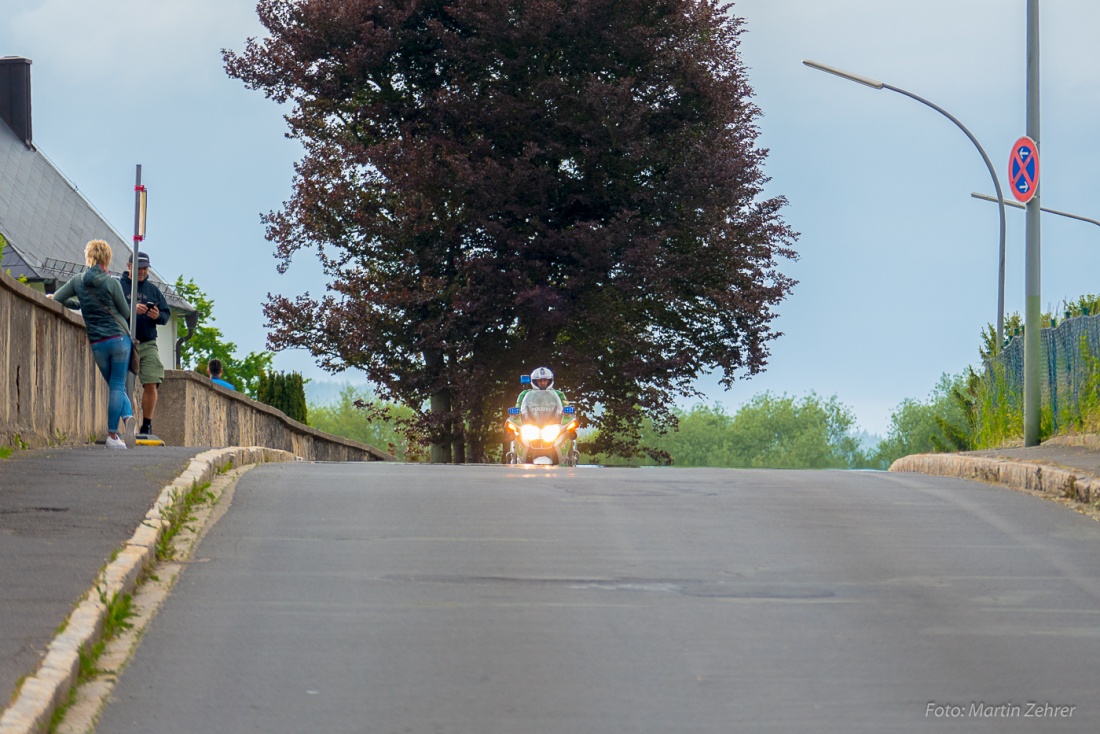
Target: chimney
15,96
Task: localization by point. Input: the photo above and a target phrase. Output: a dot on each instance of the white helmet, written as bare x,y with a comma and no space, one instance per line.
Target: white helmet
544,374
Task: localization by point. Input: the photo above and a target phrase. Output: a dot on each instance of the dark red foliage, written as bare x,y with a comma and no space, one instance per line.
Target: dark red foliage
492,186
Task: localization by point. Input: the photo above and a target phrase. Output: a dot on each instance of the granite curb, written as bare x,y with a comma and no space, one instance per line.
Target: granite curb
40,694
1030,476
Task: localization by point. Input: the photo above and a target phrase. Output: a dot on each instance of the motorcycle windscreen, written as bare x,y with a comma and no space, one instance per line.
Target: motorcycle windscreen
541,407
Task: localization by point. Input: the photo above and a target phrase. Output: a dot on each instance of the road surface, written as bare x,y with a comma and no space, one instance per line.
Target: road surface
389,598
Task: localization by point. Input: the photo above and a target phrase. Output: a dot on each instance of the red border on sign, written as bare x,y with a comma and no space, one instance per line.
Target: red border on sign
1014,173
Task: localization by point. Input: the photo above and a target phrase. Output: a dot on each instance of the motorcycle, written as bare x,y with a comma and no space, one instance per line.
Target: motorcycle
542,431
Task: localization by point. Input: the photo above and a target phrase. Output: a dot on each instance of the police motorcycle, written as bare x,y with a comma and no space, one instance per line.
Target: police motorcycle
541,430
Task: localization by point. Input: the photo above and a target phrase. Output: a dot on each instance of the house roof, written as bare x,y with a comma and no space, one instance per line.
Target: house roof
47,222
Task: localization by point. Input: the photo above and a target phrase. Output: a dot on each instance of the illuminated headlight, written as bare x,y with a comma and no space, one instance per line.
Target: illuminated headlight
530,433
550,433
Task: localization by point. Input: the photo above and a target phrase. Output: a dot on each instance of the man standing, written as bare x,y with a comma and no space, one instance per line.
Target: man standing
152,310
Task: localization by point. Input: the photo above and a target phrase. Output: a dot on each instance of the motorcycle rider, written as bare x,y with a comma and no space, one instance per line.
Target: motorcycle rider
542,379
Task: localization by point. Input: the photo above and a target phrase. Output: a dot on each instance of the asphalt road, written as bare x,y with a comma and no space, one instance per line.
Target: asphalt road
389,598
63,512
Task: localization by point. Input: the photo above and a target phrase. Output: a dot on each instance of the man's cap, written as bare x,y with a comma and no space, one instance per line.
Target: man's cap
143,260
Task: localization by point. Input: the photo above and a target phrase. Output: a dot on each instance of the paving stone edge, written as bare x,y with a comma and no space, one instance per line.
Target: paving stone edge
1022,475
41,694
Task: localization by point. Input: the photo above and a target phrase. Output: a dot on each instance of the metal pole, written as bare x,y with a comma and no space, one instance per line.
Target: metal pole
131,380
1000,201
134,255
1032,308
1017,205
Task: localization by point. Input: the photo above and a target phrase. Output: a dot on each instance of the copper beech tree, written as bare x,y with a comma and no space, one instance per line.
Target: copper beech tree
493,186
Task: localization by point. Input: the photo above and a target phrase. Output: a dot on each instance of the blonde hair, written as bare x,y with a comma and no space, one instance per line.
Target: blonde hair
98,252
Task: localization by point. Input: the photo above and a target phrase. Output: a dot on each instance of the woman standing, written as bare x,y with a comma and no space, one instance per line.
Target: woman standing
105,311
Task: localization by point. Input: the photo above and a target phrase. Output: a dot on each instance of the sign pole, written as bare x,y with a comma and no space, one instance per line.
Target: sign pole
1033,350
139,235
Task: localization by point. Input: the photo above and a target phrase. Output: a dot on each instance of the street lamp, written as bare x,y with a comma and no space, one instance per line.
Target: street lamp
875,84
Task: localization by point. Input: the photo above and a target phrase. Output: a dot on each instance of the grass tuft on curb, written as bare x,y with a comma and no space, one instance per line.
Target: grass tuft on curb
179,515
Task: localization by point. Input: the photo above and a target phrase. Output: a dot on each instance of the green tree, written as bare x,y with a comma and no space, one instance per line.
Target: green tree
918,427
284,391
963,436
3,246
770,431
785,432
361,416
209,343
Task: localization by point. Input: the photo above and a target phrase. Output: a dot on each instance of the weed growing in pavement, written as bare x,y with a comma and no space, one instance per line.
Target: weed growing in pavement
18,442
180,515
18,687
5,452
120,609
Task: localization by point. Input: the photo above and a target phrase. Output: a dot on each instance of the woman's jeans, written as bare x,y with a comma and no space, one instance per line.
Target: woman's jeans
112,356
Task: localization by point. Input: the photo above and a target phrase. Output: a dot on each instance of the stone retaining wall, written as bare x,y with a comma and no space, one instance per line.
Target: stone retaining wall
51,392
50,388
1015,474
193,411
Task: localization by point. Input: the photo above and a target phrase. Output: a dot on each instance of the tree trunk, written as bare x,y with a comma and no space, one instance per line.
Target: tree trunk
440,404
459,447
441,447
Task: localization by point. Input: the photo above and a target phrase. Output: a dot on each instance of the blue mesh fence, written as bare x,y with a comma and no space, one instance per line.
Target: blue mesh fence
1068,365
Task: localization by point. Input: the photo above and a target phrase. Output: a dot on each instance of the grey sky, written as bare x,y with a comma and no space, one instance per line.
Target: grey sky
898,264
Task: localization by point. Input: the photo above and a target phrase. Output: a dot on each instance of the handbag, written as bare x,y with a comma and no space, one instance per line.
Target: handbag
135,358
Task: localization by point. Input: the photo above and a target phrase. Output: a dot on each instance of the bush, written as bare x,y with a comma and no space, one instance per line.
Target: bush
284,391
773,431
941,423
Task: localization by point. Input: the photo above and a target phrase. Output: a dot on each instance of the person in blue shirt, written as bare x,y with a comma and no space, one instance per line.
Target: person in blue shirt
214,369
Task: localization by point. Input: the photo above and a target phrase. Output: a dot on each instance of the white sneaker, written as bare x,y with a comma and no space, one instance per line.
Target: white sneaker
115,443
127,432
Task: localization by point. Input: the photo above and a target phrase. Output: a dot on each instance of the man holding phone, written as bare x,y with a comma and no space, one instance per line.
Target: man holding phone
152,311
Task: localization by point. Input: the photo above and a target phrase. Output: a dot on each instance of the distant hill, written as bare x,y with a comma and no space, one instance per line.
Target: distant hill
327,392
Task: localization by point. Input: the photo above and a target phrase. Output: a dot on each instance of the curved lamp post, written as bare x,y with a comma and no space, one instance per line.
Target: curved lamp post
875,84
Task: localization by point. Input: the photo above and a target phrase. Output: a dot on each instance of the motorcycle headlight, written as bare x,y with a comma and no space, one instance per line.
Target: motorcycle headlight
549,433
529,432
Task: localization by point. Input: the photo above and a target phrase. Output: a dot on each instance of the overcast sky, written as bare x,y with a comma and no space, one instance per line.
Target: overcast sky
898,268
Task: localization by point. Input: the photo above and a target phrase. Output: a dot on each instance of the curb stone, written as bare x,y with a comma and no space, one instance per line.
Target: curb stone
1022,475
41,694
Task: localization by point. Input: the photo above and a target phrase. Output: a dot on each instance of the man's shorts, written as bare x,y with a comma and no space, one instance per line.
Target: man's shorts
151,371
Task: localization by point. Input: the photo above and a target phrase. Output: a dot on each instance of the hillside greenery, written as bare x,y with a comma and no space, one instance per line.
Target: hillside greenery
360,415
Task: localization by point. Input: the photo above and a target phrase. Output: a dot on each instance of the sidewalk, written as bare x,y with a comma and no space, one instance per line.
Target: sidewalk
63,512
1063,468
